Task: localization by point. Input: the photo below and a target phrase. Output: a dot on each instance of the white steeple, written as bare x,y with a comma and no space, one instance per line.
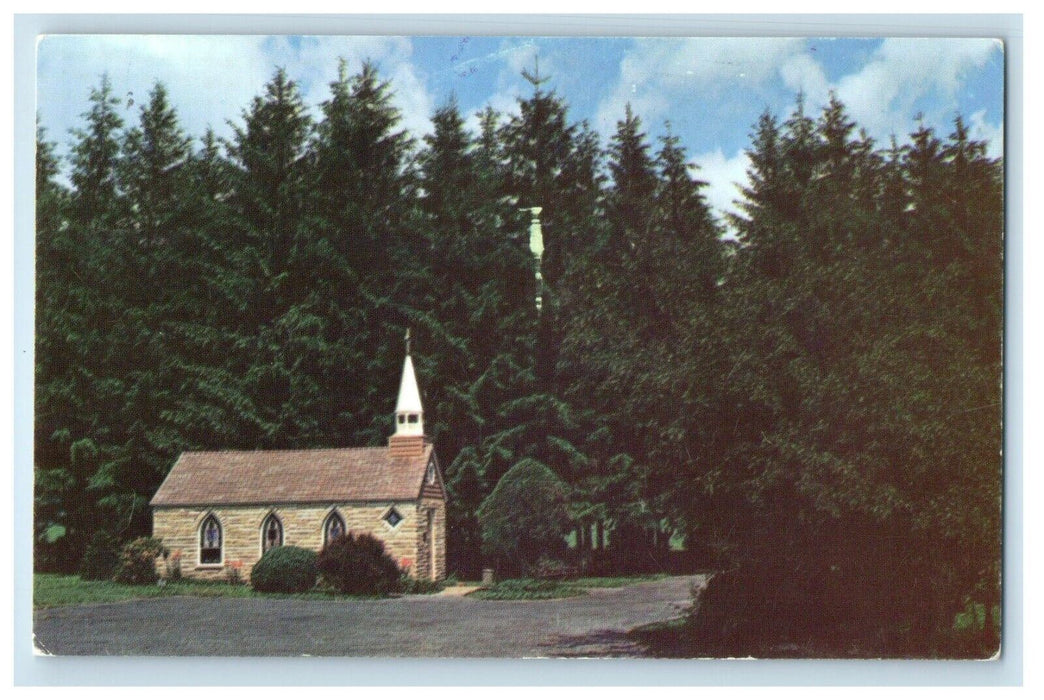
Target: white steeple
409,414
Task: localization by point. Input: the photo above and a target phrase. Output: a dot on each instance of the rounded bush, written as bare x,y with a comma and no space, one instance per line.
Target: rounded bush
138,561
525,518
284,569
358,564
101,557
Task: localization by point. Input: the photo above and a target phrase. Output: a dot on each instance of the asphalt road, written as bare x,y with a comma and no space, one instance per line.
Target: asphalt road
412,626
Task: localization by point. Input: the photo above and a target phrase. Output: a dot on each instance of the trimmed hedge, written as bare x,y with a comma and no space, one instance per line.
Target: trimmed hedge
285,569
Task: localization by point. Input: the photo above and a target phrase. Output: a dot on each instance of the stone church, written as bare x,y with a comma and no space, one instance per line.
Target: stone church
220,511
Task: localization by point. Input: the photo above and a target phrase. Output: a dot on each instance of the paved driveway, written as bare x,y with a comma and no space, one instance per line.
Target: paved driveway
591,625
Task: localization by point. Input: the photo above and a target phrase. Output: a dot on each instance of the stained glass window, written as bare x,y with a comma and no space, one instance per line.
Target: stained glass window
271,533
334,527
210,541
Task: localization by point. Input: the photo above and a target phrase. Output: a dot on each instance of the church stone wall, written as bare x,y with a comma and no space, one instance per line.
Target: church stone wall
423,568
302,527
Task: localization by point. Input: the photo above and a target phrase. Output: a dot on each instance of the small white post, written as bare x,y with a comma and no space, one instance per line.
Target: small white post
536,247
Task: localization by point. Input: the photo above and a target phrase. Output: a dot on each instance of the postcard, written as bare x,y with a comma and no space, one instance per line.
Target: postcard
519,346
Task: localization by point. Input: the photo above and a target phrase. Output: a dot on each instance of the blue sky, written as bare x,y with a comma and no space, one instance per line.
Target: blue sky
711,90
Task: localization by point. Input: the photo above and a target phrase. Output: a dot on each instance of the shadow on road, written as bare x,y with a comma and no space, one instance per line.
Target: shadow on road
598,643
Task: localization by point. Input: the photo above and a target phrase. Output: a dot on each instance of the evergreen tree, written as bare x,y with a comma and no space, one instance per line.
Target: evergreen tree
834,481
480,279
818,401
94,158
647,312
77,310
552,164
274,325
373,262
56,400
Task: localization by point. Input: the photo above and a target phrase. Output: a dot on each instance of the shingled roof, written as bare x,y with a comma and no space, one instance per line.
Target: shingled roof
292,476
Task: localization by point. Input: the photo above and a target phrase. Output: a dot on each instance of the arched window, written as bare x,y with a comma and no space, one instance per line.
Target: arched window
271,533
334,527
210,541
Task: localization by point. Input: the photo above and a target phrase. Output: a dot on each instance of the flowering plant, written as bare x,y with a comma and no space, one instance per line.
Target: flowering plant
232,571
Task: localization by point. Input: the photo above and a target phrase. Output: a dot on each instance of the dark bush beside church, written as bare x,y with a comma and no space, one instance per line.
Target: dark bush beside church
358,564
101,557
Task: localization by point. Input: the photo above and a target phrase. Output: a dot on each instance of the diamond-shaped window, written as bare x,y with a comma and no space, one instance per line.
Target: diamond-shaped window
393,517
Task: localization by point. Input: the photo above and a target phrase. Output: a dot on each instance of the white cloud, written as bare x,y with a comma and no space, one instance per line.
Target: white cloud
800,73
523,54
981,130
213,79
724,175
208,80
905,75
514,56
656,72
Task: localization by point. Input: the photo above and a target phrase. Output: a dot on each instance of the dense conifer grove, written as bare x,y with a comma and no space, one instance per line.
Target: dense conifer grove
808,394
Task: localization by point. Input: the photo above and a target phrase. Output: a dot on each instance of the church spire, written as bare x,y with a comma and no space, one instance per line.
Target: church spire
409,413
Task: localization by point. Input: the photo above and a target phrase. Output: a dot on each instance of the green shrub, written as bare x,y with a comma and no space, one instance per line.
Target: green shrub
101,557
285,569
174,567
138,561
525,519
358,564
528,589
550,568
424,586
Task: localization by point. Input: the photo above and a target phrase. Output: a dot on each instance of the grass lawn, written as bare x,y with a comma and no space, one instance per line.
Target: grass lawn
54,590
537,589
614,581
527,589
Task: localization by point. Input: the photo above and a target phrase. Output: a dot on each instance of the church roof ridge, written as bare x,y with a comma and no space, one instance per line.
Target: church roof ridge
234,450
336,474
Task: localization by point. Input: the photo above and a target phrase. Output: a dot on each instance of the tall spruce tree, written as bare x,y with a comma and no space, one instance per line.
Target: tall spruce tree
482,303
836,480
552,164
273,195
76,390
367,211
645,310
57,401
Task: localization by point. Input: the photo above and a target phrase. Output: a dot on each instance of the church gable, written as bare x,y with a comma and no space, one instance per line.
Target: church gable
433,486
